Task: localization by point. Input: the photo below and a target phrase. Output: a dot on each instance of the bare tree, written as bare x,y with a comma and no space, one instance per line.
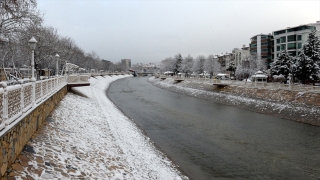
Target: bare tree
167,64
186,64
198,65
212,66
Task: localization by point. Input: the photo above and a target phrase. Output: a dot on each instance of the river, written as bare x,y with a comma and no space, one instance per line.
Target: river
208,140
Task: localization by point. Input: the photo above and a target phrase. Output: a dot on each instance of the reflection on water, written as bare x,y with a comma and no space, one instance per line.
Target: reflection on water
213,141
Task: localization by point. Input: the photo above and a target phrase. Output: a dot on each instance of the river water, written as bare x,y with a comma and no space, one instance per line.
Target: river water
208,140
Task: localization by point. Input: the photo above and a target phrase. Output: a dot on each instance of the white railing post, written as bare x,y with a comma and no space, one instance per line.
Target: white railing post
47,85
41,90
33,92
57,83
5,104
22,95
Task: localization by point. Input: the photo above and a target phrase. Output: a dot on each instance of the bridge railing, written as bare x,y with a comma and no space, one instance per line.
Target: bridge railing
18,99
80,78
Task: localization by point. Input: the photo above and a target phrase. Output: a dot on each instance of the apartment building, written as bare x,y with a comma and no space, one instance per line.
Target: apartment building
226,59
241,54
126,63
292,39
261,46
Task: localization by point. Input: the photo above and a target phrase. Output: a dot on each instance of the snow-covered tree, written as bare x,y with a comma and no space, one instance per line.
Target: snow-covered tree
249,67
186,64
198,64
261,64
312,48
178,60
306,69
232,68
212,66
167,64
242,72
282,65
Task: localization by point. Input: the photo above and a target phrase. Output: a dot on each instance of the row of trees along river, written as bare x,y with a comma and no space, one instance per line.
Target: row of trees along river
304,68
19,21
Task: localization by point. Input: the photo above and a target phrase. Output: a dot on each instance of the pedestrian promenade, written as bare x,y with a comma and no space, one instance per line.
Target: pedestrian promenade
87,137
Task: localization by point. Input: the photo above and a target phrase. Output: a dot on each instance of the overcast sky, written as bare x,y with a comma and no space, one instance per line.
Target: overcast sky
149,31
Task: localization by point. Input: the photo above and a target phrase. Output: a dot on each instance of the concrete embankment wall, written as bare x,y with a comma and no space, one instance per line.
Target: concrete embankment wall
14,140
298,106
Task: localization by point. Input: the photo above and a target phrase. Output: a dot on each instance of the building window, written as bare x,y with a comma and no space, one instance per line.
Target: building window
291,38
298,37
299,45
253,45
264,44
283,39
264,50
291,46
278,48
282,47
279,32
253,52
278,41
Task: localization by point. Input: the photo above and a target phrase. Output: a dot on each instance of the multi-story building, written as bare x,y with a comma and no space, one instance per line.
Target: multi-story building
126,63
229,59
261,47
292,39
241,54
106,64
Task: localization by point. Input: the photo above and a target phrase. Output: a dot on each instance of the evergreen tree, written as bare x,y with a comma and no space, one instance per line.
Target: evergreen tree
306,69
282,65
311,49
178,60
232,68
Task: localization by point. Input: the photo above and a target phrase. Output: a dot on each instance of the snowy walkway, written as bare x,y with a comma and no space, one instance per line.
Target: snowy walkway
90,138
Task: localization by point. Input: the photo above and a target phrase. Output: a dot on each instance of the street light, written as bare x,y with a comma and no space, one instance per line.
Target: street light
57,66
32,44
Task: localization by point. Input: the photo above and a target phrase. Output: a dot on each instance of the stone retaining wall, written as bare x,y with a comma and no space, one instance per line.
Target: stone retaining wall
15,139
278,95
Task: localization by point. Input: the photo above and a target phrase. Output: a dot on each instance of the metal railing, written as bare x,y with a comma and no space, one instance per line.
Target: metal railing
16,100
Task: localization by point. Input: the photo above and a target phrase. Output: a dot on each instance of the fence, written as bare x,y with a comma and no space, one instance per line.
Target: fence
18,99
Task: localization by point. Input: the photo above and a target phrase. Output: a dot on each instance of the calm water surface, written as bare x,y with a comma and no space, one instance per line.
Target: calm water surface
208,140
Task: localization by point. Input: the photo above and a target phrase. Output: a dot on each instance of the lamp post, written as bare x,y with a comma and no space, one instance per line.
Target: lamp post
32,44
57,66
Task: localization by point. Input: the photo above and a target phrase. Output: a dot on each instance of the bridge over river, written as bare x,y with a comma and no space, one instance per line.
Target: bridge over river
208,140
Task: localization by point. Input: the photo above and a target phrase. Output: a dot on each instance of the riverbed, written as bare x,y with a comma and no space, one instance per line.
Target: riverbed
209,140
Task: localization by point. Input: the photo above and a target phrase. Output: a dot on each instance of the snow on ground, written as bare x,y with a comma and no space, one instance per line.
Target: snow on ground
89,138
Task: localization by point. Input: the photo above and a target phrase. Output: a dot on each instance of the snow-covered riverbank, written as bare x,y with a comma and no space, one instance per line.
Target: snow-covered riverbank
88,137
300,112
